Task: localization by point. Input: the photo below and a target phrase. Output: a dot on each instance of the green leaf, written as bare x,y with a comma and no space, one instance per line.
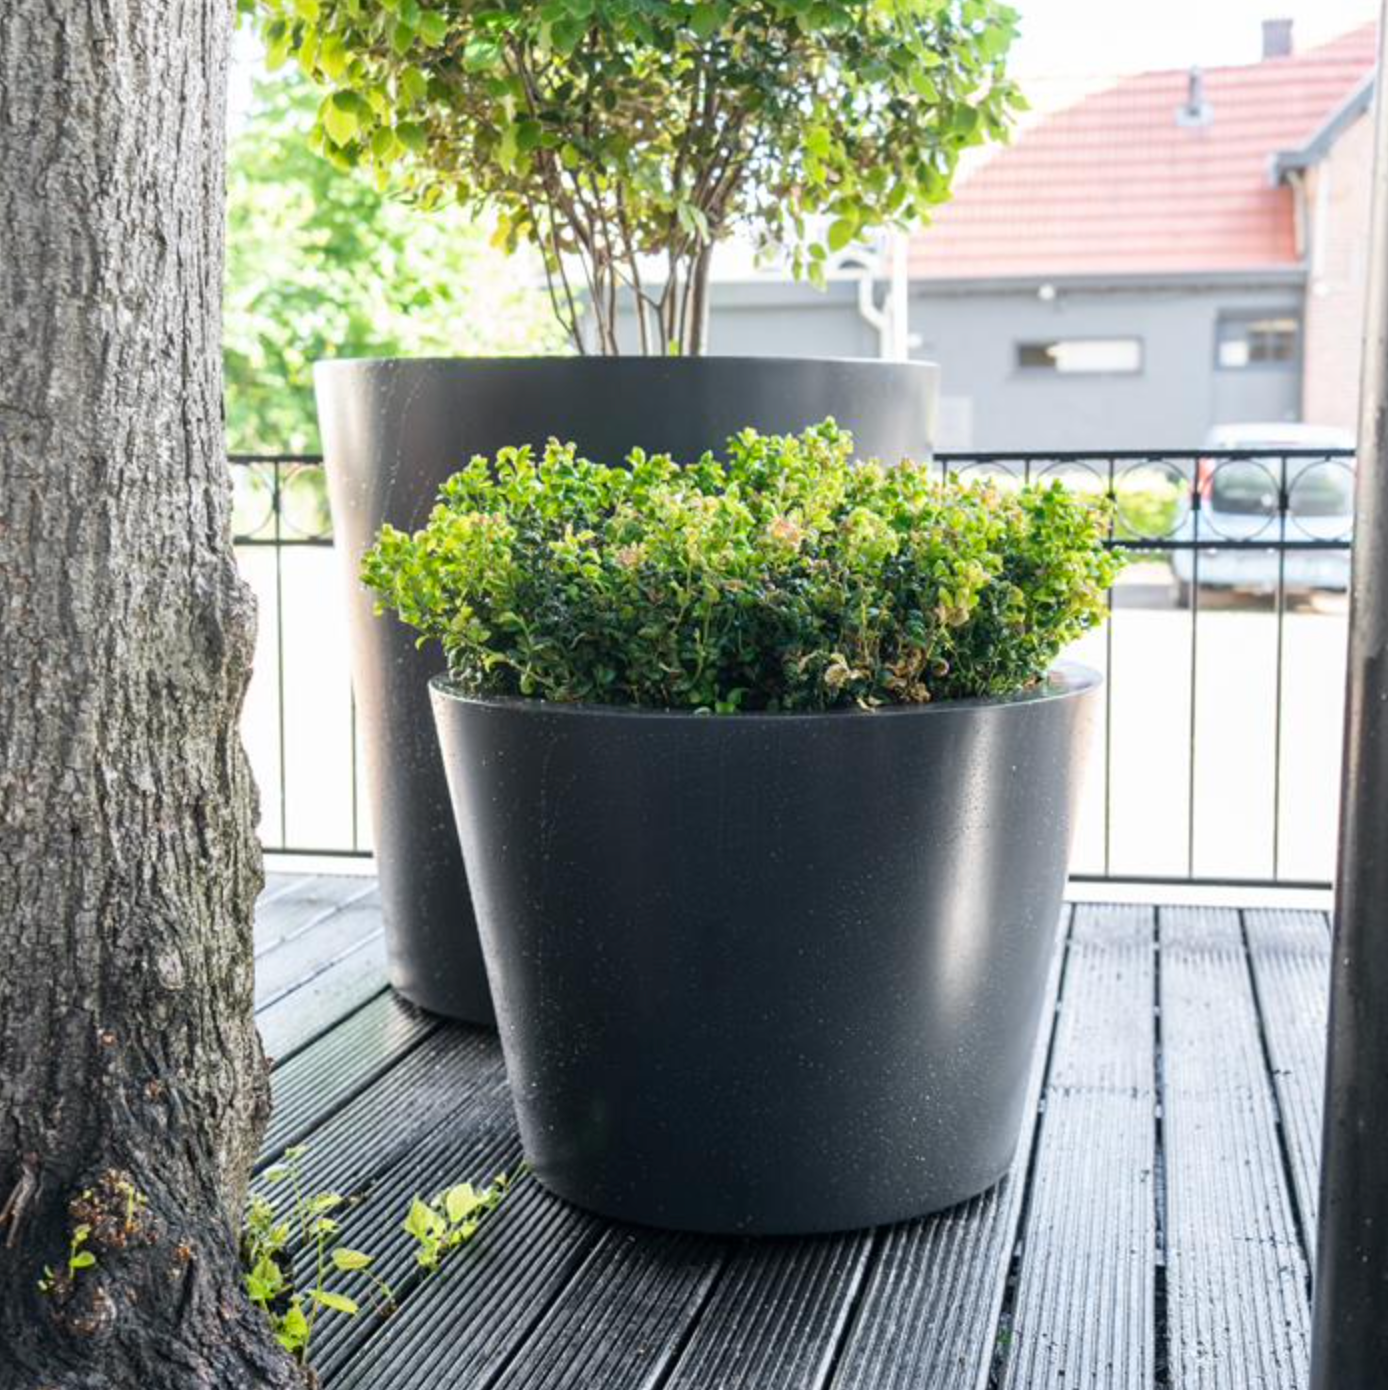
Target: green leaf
704,21
566,35
84,1259
433,28
841,233
308,52
339,116
384,146
338,1302
292,1331
422,1221
412,136
461,1201
966,119
332,57
412,85
693,220
506,148
279,41
923,85
346,1259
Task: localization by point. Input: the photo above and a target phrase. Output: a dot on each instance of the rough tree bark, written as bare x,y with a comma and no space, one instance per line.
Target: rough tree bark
132,1088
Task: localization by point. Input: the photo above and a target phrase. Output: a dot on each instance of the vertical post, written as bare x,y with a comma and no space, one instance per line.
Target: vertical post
1350,1339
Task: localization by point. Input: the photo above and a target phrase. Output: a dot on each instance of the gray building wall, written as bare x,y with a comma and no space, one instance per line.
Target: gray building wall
988,402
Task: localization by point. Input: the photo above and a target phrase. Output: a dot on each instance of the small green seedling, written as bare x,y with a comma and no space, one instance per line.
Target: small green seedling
270,1242
78,1258
451,1219
293,1315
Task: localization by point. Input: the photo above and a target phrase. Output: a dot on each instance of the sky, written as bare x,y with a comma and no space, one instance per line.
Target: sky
1063,40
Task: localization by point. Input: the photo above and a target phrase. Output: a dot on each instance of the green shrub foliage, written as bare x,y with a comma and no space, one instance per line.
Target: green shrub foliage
612,132
785,576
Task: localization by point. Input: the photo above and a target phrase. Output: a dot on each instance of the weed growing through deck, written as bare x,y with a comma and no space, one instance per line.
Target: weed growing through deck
269,1244
269,1277
451,1219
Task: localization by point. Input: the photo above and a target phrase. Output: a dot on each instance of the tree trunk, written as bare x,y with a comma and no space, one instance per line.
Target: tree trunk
132,1087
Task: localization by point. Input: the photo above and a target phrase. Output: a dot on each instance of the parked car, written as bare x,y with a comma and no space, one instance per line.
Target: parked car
1240,501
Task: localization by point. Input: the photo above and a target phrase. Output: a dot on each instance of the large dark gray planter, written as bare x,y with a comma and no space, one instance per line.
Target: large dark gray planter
394,430
768,973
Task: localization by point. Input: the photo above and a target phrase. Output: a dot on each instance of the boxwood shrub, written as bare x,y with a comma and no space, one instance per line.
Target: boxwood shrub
785,575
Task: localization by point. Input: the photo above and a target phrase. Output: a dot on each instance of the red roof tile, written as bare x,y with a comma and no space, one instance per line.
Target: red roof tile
1115,186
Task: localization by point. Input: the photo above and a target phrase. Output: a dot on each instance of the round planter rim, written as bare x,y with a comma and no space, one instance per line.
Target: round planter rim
1063,681
590,362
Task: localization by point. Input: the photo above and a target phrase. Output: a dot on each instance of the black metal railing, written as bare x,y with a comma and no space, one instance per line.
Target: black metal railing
1219,742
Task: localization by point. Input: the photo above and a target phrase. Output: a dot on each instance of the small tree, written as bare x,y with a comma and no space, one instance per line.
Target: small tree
627,137
320,265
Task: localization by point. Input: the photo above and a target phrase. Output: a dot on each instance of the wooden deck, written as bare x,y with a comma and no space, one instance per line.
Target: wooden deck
1153,1232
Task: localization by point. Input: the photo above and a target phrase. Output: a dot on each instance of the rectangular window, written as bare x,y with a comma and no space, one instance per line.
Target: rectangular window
1081,356
1253,340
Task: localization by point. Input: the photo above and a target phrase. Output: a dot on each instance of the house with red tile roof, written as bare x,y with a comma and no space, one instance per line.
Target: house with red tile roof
1177,250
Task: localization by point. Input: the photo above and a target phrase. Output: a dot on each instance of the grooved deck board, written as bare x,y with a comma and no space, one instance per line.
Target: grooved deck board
1236,1277
776,1316
275,886
340,1066
1047,1282
461,1327
316,946
1084,1311
451,1071
286,910
930,1305
471,1146
622,1319
1290,955
310,1010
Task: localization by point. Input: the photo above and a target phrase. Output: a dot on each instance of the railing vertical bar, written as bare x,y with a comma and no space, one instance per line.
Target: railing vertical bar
1108,690
276,501
1194,667
1283,505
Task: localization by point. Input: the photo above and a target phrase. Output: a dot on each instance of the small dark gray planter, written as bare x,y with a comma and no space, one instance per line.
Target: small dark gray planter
394,430
768,973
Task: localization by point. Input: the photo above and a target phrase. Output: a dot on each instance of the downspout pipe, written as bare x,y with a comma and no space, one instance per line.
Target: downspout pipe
1350,1319
876,318
890,320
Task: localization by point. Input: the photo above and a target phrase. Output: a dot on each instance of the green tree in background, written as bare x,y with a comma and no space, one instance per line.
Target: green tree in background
319,265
